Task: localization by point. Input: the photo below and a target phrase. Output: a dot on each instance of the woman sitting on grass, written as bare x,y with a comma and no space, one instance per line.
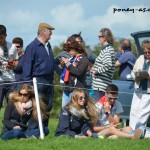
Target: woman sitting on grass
76,117
20,108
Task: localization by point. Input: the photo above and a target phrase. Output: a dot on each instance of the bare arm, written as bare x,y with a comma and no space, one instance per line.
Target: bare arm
114,119
117,64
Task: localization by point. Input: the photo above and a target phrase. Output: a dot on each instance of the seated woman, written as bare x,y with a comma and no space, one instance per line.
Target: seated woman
20,108
76,117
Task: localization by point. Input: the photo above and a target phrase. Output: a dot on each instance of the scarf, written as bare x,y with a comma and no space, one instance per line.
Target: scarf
65,73
25,107
76,113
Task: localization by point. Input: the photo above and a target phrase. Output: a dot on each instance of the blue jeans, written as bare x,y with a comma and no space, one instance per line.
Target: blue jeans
5,90
17,133
36,132
66,97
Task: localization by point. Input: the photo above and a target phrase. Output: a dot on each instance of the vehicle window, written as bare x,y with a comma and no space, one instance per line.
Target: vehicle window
142,39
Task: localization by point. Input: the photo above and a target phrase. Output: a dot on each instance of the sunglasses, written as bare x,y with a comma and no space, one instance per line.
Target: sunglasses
100,36
81,98
146,52
18,46
112,98
23,94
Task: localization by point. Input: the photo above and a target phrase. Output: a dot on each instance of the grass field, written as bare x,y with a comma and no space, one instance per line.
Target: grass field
63,143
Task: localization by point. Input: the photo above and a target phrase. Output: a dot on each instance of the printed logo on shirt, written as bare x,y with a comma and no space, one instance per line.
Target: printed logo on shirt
65,114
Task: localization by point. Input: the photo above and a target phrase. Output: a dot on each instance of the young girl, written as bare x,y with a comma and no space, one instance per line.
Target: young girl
76,118
75,69
21,107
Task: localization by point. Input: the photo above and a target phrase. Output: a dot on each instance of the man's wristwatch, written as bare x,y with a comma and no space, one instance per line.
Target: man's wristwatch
107,113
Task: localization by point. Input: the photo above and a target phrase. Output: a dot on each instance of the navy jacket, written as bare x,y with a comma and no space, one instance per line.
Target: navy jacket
71,125
37,62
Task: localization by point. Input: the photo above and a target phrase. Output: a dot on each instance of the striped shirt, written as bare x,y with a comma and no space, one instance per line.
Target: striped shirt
104,67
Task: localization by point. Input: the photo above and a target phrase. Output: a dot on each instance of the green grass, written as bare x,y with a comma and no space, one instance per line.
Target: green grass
63,143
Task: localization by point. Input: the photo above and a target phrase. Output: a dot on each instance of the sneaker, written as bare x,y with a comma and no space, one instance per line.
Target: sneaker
140,133
113,137
101,137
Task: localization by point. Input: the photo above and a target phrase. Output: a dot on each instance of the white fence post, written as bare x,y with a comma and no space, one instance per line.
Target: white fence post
38,108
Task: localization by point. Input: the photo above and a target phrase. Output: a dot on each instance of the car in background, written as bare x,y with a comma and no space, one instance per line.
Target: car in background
126,88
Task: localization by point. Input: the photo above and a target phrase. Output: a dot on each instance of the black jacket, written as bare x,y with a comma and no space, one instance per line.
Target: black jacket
77,72
71,125
12,118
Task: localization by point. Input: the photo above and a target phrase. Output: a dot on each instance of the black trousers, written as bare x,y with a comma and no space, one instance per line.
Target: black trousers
5,89
46,92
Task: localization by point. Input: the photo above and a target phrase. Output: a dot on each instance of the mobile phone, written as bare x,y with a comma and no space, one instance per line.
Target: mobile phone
10,62
117,124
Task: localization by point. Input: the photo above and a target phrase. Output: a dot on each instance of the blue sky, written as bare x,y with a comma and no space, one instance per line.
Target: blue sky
72,16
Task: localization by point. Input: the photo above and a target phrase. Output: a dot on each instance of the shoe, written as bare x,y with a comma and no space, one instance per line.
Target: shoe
113,137
101,137
140,133
31,137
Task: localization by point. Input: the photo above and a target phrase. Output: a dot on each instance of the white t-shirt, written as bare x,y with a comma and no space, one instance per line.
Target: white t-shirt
5,73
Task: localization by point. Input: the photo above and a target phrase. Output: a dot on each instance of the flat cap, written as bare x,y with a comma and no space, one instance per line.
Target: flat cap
45,26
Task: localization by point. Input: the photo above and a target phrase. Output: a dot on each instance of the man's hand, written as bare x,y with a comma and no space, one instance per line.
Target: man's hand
107,107
11,64
137,79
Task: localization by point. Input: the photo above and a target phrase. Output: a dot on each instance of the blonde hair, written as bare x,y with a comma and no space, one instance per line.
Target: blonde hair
89,105
15,98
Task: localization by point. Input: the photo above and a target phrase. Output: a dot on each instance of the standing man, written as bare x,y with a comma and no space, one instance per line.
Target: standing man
104,66
126,60
39,63
18,63
7,51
